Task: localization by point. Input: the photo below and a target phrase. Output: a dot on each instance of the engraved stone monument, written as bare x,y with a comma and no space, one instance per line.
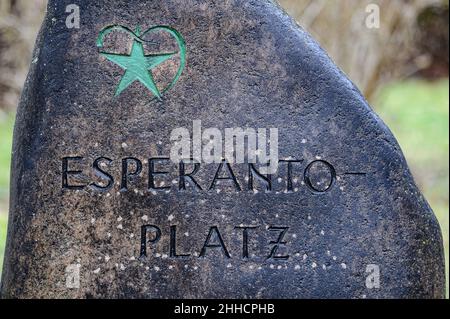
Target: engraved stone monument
100,208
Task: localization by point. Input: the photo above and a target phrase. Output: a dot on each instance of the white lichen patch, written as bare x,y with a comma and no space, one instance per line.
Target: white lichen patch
96,271
344,266
170,218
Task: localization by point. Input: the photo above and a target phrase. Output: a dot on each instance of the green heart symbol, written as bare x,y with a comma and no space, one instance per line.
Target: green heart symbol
137,65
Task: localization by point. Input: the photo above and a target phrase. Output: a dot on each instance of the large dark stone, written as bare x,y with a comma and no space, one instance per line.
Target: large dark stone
349,209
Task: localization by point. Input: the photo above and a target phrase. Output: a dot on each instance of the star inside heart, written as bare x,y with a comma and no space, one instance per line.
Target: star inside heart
137,65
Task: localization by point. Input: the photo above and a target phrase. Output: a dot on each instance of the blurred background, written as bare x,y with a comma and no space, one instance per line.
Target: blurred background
401,65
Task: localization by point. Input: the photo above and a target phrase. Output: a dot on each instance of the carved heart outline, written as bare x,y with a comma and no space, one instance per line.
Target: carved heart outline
173,32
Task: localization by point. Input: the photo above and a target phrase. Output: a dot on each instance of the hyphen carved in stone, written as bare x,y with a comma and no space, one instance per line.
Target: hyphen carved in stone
99,210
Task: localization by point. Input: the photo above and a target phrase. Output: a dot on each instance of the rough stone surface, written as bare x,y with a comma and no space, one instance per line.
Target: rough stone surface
248,65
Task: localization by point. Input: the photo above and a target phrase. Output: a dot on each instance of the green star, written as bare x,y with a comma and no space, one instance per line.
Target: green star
138,66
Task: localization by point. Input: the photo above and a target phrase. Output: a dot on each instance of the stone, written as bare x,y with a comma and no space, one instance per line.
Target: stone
99,208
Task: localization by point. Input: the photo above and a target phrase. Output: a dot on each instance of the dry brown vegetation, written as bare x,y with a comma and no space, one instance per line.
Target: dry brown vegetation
369,56
19,24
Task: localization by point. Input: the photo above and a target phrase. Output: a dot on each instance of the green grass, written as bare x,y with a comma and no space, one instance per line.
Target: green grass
416,111
6,131
3,227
